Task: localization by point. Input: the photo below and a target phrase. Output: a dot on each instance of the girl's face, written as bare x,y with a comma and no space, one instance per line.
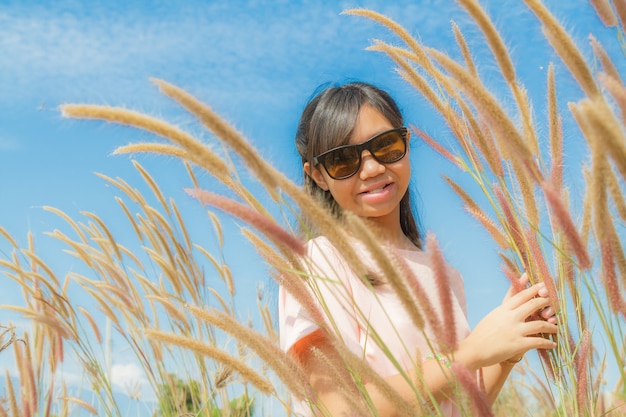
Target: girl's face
376,190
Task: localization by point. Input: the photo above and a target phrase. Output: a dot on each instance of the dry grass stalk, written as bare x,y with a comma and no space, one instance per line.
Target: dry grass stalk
494,40
555,133
605,12
563,220
605,60
617,91
283,364
436,146
484,141
582,373
402,33
260,222
364,372
565,47
478,399
467,56
81,403
511,225
620,9
92,323
539,268
473,208
262,170
444,288
602,120
210,161
507,68
393,276
509,140
342,379
153,186
247,373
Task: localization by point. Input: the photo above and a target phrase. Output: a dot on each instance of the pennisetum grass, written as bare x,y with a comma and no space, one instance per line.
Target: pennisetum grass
172,301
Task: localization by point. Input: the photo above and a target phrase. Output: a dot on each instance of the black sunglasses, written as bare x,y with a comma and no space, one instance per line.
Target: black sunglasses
344,161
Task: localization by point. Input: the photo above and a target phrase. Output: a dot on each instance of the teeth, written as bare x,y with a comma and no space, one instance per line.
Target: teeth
376,191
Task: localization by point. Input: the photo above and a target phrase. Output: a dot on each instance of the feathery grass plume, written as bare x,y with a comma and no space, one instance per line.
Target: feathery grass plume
490,226
493,38
106,231
247,373
479,403
92,323
513,277
473,208
609,278
81,403
467,56
563,220
436,146
620,10
401,57
582,373
555,133
153,186
402,33
171,309
512,226
8,237
445,293
210,161
69,221
507,68
284,365
393,276
483,139
225,132
158,148
342,380
603,121
508,138
617,91
364,372
565,48
260,222
605,60
540,268
605,12
10,393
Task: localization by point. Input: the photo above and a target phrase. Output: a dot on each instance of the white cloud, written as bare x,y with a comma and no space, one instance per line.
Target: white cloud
124,376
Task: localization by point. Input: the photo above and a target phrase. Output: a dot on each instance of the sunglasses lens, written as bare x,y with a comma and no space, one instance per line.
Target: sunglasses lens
386,148
342,162
389,147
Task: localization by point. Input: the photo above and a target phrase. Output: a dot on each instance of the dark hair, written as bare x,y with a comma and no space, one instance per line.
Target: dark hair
328,121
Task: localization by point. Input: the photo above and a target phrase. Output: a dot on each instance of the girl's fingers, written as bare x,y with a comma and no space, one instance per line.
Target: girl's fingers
533,306
538,342
521,297
535,327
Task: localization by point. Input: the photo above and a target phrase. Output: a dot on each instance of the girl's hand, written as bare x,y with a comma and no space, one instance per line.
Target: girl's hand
509,330
548,314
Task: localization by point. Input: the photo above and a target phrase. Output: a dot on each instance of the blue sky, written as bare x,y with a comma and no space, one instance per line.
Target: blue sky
256,63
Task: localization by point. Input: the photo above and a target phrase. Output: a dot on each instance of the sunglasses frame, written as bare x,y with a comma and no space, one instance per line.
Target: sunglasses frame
320,159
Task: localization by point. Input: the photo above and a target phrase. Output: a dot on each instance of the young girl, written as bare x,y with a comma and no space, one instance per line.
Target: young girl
354,150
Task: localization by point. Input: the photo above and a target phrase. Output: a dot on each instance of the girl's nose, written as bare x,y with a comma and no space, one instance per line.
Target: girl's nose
370,167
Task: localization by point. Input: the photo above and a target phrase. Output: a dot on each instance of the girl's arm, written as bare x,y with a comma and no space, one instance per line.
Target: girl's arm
502,334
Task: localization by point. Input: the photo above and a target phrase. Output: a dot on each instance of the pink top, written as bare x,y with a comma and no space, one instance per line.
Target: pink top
356,307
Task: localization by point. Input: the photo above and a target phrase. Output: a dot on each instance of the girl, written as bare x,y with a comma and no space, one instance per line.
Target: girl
354,150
